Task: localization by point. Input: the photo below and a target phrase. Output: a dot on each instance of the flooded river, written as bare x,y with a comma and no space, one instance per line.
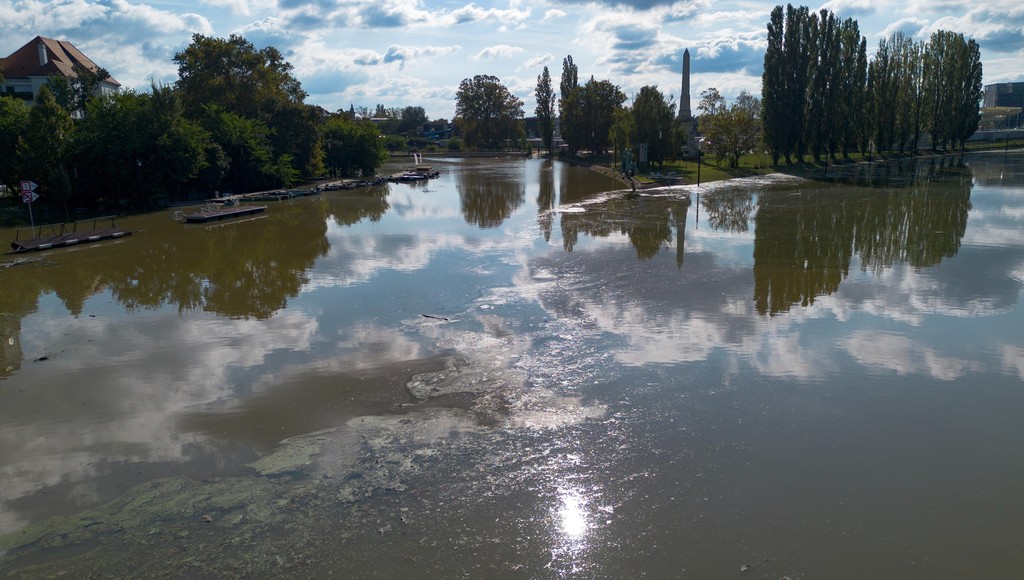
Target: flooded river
516,370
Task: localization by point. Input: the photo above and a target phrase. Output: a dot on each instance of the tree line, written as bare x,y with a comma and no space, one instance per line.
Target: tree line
821,96
235,121
593,117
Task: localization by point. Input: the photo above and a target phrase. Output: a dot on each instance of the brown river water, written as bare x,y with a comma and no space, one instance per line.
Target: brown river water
517,370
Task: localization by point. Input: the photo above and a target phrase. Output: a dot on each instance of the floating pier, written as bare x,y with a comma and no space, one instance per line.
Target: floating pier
54,236
211,213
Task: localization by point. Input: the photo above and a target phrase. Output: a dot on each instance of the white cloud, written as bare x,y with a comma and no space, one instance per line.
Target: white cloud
553,14
498,51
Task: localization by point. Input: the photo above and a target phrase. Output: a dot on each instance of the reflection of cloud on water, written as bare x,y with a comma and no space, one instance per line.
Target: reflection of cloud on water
356,257
903,355
661,315
130,385
1013,359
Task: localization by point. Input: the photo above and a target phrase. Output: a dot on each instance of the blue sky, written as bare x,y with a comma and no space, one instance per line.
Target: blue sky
415,52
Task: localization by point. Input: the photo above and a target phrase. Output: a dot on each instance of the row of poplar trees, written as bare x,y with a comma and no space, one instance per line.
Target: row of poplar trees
594,116
821,96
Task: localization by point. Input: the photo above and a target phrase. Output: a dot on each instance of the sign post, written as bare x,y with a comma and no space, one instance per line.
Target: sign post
28,195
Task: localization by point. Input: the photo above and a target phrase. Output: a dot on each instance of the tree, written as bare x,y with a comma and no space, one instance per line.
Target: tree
13,123
896,92
353,147
787,65
73,92
595,105
569,104
297,131
773,87
246,143
853,93
953,76
412,118
256,85
41,152
622,133
730,131
234,75
138,148
653,115
545,96
487,114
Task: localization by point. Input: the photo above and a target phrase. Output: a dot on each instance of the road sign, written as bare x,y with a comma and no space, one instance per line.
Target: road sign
28,191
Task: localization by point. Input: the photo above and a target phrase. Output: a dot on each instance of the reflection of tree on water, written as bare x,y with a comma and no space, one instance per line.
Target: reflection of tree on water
488,200
998,168
903,171
239,270
804,243
730,212
646,221
546,197
10,344
348,208
236,269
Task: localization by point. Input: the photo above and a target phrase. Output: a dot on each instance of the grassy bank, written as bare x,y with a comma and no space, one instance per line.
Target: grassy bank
685,172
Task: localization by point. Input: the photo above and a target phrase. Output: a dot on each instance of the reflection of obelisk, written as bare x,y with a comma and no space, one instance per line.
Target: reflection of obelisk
685,117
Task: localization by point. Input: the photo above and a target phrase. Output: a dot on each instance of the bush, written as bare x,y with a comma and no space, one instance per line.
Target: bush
455,144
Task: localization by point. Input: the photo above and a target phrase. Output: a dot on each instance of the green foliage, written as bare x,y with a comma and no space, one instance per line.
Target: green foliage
730,131
234,121
487,113
545,109
232,74
822,96
622,132
569,107
591,109
256,85
14,115
598,100
353,147
952,79
137,148
72,93
246,143
395,143
652,122
44,144
454,144
411,119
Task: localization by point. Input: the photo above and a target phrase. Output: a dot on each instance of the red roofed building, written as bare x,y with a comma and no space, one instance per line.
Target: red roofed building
30,67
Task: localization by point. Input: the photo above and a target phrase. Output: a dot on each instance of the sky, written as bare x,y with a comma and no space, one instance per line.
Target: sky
402,53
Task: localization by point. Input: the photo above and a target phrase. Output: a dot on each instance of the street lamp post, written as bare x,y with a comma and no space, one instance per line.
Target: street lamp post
698,163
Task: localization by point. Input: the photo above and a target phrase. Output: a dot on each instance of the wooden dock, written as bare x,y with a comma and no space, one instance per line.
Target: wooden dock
211,213
54,236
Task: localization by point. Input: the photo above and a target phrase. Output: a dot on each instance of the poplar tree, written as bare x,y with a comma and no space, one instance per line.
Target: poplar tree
953,76
773,88
545,96
569,104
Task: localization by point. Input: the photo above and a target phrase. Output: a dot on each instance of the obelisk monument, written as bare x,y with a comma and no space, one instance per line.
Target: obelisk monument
685,118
